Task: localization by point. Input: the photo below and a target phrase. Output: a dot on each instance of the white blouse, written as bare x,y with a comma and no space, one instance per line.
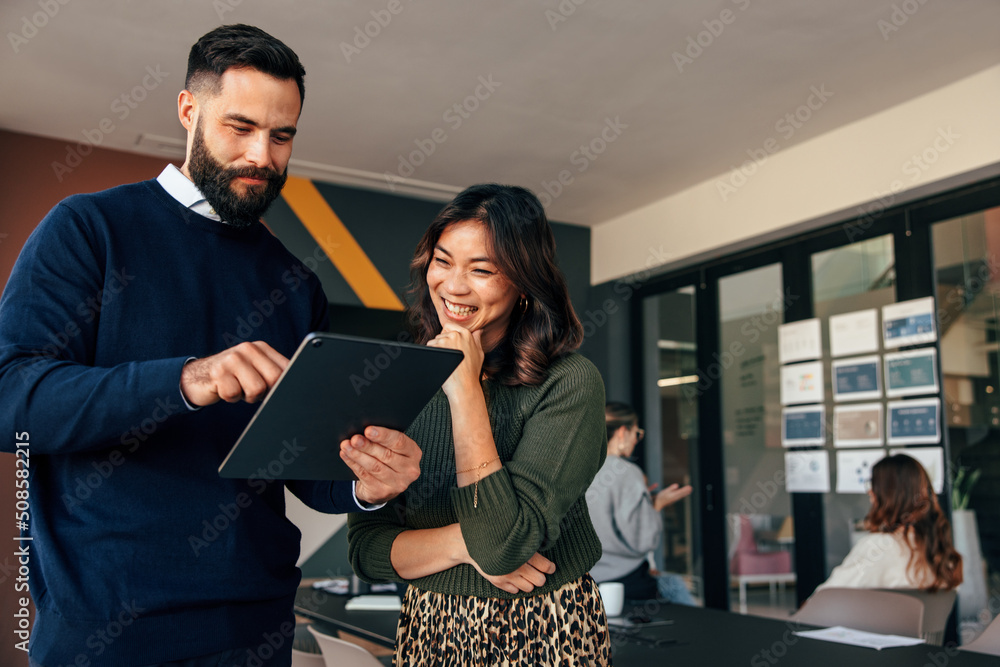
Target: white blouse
879,560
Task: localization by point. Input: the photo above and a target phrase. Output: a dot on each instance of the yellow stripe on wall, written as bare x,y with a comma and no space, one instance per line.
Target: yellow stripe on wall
339,245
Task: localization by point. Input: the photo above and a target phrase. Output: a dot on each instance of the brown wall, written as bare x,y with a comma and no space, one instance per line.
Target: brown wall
29,187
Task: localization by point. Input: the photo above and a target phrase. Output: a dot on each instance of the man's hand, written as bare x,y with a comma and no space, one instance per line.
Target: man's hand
244,372
524,579
385,461
670,495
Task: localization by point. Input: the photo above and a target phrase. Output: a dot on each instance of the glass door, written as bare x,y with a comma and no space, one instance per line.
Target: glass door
966,252
759,538
853,278
671,422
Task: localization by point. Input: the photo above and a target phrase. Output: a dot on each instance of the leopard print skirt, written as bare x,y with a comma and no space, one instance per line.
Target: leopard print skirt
566,627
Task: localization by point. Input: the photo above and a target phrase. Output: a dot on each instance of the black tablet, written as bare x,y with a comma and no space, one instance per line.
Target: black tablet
334,387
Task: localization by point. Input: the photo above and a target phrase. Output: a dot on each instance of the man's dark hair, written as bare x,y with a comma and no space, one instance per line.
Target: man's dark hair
240,46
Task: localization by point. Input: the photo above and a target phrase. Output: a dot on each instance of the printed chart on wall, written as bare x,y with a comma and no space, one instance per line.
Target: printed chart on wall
854,333
857,378
800,341
909,323
914,422
911,373
807,471
854,469
802,383
857,425
803,425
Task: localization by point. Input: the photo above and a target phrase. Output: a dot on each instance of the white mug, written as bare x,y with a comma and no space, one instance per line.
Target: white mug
613,595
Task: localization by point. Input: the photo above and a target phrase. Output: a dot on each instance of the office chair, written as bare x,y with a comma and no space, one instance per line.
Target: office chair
988,642
303,659
338,653
937,609
885,612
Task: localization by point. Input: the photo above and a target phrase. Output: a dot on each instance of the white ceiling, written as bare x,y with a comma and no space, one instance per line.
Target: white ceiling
560,81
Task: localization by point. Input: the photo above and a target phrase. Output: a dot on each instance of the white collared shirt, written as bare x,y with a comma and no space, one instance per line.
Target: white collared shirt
187,193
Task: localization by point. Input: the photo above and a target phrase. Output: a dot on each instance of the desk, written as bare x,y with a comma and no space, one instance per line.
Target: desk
375,626
694,636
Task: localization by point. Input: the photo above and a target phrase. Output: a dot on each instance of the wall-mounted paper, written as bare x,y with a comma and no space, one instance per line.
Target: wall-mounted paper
803,425
800,341
931,458
807,471
802,383
857,378
911,373
854,333
909,323
858,425
854,469
914,422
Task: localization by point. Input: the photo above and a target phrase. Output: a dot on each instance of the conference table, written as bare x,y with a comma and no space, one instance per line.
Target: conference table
680,635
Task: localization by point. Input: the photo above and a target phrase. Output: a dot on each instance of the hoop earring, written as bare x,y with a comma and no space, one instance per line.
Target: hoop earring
524,305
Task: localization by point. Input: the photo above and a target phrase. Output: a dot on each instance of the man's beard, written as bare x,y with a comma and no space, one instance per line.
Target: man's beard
216,183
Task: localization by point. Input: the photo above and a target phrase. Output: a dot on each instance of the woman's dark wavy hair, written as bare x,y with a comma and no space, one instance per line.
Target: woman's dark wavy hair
241,46
521,245
904,498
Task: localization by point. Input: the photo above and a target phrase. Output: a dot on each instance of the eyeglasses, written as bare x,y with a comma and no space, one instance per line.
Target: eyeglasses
640,433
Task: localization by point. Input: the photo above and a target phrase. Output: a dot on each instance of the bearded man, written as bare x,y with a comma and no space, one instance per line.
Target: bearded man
115,356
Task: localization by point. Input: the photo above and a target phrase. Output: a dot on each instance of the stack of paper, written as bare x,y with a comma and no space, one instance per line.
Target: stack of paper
842,635
337,585
374,603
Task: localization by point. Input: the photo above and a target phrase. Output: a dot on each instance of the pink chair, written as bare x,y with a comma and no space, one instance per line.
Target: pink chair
749,565
749,560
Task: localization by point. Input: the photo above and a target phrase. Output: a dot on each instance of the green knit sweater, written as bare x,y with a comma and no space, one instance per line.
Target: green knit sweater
551,439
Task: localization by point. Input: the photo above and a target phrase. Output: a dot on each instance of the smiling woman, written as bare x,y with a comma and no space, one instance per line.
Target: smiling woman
466,287
497,562
503,231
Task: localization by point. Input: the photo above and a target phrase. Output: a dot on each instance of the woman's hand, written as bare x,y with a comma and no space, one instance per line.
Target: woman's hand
524,579
670,495
470,371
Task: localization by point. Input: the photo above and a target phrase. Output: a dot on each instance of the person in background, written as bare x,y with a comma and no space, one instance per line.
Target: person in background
627,517
495,539
909,544
118,363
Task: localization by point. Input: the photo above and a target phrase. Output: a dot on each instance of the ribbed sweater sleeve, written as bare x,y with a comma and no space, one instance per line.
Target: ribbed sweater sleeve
369,542
522,505
49,318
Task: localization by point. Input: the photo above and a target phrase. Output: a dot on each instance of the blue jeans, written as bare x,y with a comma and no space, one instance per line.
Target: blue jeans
671,588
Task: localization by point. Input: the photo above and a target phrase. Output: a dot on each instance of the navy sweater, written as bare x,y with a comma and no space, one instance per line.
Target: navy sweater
141,553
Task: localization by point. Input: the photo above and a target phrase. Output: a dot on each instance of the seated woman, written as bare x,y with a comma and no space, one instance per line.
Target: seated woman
909,545
494,537
627,518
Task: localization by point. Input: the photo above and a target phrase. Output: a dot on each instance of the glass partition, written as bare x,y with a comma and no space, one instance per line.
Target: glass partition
672,426
758,509
967,261
855,277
